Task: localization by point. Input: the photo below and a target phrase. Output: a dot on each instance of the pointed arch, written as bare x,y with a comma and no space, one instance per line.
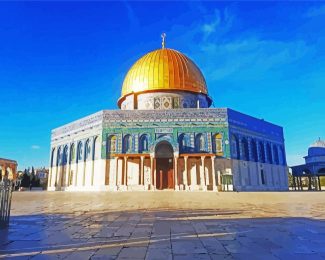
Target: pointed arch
87,150
144,143
261,152
127,143
79,152
52,156
269,153
235,147
253,150
58,157
282,159
112,144
184,143
72,157
65,155
244,149
275,154
199,143
96,149
217,143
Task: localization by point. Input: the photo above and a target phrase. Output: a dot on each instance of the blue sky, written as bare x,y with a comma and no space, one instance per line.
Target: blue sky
60,61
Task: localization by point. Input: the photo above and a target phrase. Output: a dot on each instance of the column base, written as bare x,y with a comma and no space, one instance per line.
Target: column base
151,187
215,188
183,187
135,187
121,187
112,188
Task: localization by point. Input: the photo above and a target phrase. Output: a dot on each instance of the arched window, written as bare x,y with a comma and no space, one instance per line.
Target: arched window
112,144
79,152
87,150
218,143
254,151
276,154
65,155
244,149
234,147
127,143
184,143
199,143
144,143
261,152
72,154
269,153
58,157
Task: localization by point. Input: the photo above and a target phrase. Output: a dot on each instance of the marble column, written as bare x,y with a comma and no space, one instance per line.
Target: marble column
152,172
116,171
76,175
68,166
219,178
176,187
202,174
125,170
213,173
258,156
185,178
141,170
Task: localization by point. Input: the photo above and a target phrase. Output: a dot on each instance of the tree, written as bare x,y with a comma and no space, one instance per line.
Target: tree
290,179
25,180
322,180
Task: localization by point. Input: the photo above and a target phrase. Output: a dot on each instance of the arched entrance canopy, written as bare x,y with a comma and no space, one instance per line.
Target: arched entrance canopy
164,150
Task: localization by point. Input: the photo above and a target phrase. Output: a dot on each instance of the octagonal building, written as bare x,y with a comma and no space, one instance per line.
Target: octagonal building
166,136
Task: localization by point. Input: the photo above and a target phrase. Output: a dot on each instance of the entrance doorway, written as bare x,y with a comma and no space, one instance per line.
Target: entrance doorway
164,166
164,173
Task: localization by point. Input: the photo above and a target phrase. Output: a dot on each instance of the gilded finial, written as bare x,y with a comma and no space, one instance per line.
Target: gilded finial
163,36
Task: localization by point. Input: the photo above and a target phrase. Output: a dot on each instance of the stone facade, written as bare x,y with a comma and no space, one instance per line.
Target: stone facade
180,149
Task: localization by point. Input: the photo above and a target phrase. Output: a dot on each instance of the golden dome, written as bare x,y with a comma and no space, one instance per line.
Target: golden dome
163,70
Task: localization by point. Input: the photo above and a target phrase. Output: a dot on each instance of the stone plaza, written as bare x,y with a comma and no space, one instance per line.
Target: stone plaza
165,225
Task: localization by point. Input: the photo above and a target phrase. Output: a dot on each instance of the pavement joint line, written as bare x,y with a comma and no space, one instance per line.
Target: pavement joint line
143,239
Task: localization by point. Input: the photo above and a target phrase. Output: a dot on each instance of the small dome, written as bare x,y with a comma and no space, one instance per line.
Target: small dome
317,148
163,70
318,143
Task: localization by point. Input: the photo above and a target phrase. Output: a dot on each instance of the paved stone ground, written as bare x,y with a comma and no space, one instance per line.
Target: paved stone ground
165,225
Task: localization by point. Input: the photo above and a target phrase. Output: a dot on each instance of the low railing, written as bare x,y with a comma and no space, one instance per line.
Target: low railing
5,202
